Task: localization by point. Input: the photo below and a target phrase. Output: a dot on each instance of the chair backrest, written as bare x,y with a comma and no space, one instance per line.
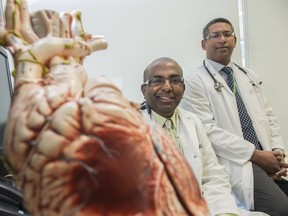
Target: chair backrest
11,203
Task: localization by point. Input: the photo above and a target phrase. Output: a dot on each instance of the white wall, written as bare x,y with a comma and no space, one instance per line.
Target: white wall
268,46
138,31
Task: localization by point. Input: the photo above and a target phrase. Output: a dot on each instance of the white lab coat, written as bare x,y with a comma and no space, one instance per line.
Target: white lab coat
218,112
200,155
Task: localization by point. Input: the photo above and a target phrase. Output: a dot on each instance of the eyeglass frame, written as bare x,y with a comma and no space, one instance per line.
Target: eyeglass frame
220,34
148,81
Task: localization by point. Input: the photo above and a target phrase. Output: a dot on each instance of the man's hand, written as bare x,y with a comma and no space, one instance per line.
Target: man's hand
283,165
267,160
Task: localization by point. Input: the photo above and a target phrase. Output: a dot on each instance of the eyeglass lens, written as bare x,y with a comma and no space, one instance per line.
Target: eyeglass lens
157,81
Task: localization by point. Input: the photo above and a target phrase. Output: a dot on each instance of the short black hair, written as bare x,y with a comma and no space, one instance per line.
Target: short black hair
216,20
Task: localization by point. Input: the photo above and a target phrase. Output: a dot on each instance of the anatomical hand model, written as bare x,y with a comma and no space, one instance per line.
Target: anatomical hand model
76,145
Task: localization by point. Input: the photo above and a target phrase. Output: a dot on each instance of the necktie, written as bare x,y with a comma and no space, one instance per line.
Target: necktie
168,125
248,131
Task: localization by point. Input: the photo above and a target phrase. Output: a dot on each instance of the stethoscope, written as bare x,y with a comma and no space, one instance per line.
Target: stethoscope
144,106
218,85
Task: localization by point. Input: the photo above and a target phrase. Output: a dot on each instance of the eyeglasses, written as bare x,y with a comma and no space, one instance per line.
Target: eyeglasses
159,81
218,35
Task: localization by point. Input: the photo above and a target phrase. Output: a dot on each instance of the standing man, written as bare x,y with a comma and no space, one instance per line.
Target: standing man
163,89
239,122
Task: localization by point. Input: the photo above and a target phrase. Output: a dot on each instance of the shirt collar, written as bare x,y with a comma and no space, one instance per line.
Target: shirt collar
217,66
160,120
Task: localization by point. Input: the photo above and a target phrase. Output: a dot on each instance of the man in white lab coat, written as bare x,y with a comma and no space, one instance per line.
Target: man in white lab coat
255,170
163,89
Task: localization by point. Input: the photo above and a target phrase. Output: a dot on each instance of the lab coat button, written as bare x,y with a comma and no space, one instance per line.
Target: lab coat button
195,156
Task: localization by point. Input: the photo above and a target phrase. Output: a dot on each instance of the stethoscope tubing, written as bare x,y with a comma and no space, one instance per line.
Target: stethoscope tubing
218,85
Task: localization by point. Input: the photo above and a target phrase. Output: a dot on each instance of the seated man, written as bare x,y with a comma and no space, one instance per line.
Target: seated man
163,89
239,122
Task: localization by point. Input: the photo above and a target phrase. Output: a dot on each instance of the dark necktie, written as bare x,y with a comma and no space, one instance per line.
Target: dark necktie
246,122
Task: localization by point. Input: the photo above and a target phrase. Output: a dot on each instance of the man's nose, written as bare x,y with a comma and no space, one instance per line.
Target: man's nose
166,85
222,37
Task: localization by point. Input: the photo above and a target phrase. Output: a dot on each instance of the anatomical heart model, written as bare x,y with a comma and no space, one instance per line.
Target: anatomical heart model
76,145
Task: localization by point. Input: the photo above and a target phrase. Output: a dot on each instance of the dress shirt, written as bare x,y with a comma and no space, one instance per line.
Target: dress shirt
160,120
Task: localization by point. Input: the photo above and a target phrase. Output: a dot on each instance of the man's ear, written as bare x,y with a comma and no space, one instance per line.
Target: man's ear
203,44
235,41
183,89
143,89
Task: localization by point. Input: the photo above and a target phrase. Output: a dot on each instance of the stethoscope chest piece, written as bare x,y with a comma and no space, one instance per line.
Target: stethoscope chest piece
218,85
